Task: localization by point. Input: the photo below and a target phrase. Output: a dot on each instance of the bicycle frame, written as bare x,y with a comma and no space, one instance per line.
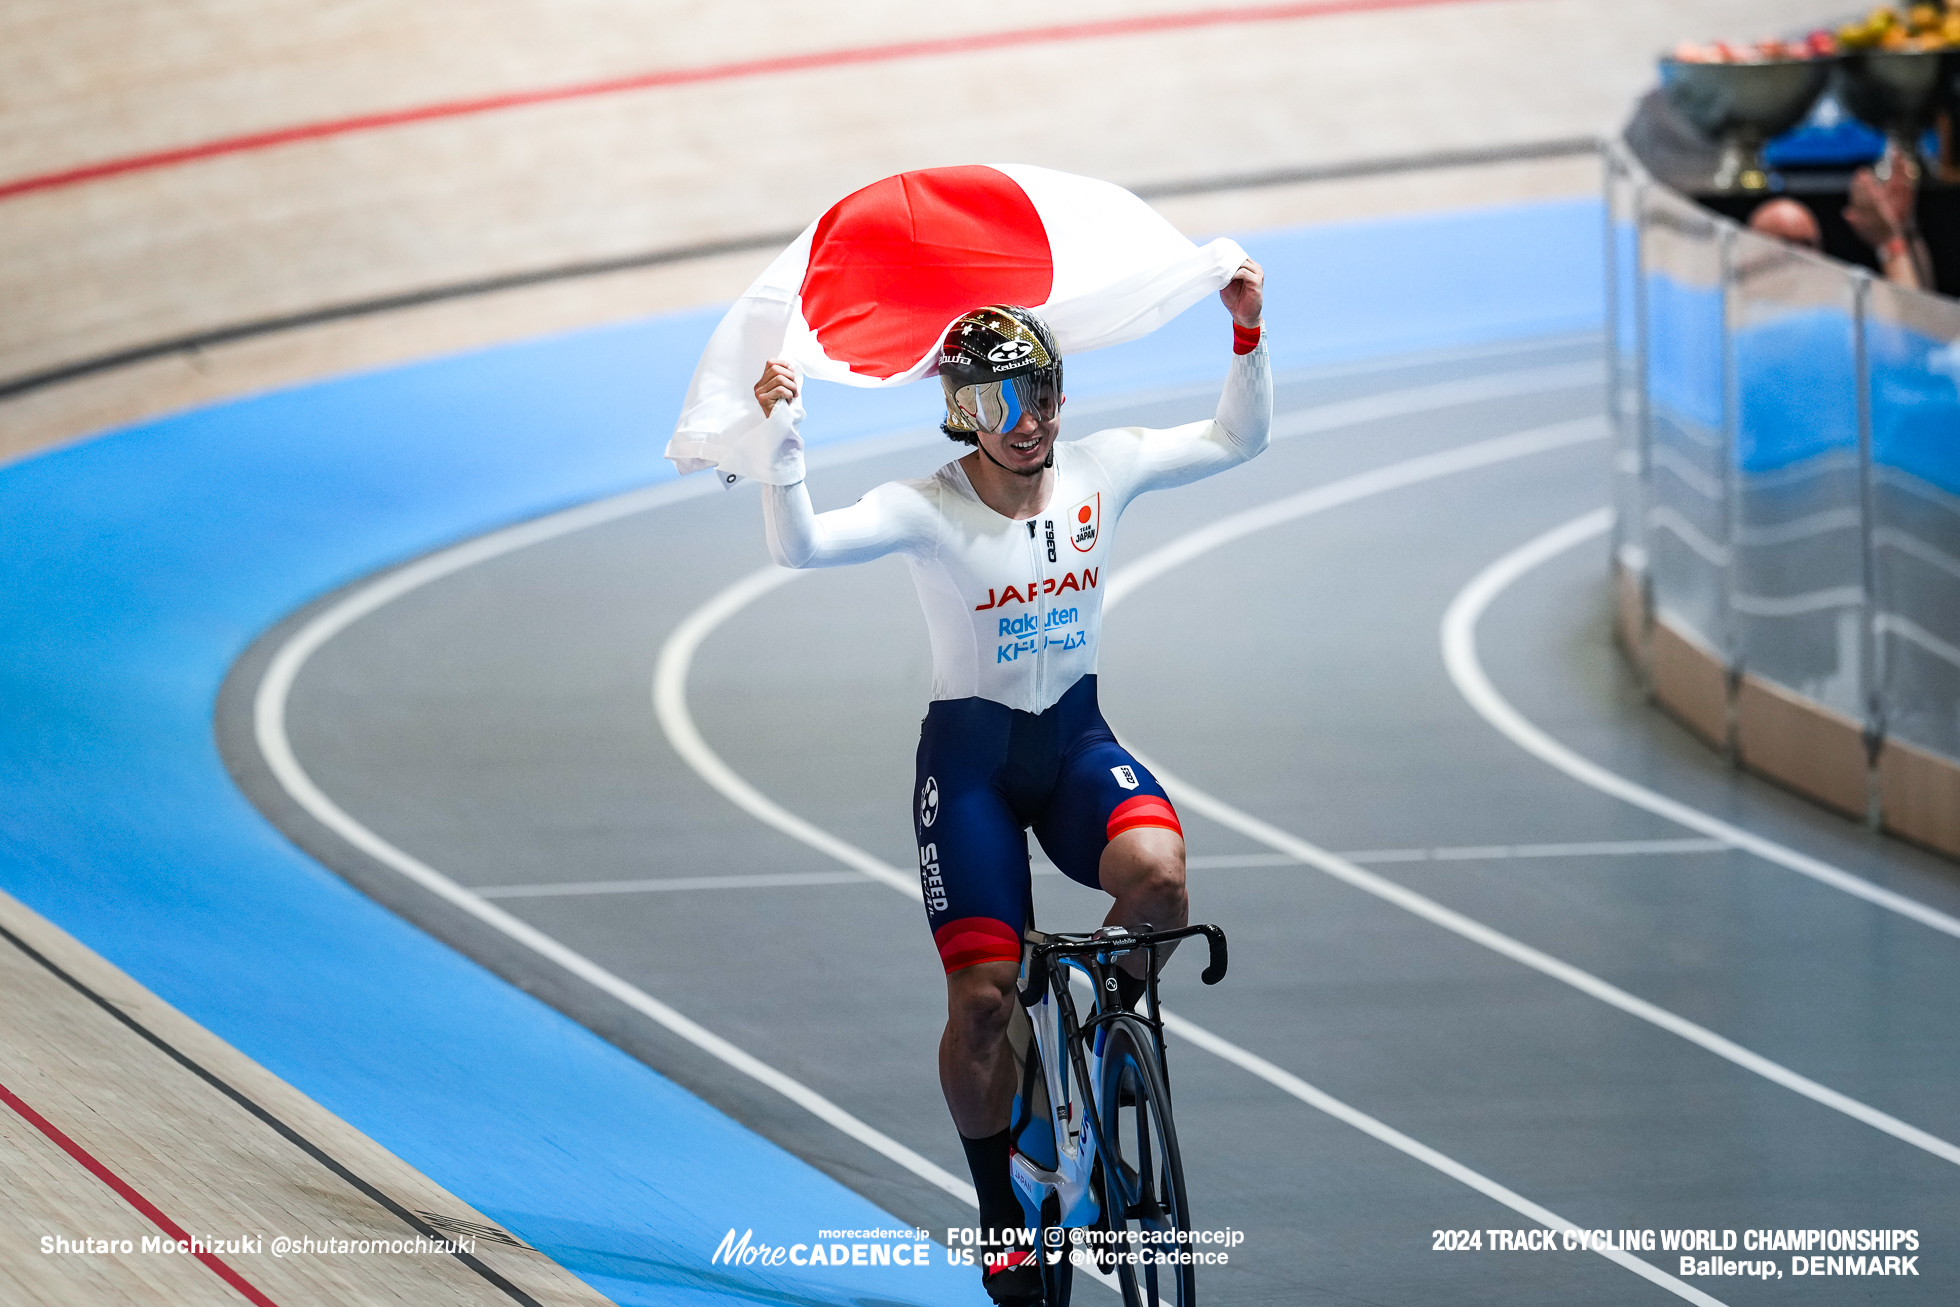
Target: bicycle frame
1066,1044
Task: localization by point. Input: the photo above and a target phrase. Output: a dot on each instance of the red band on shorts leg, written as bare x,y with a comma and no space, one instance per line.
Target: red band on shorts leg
972,940
1143,810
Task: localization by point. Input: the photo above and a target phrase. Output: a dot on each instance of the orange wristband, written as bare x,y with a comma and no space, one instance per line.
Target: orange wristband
1895,248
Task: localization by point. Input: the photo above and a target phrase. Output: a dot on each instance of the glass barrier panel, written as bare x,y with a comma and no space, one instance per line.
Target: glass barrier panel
1796,586
1687,508
1625,409
1912,343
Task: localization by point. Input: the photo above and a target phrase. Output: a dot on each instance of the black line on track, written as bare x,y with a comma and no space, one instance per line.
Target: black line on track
1428,161
385,304
279,1127
235,332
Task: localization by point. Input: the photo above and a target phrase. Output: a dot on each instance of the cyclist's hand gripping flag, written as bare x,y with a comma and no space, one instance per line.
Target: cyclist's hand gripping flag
864,295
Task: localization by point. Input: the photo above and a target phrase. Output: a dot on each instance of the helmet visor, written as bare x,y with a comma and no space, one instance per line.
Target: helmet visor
997,406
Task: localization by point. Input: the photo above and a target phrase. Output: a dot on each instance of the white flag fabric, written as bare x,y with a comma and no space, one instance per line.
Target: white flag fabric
865,294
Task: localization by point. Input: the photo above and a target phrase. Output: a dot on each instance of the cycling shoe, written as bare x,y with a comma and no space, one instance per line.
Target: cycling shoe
1017,1283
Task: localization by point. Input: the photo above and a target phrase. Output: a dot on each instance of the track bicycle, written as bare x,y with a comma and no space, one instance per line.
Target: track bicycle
1094,1144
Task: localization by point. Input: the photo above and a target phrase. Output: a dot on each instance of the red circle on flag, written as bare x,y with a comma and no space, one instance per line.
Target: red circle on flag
892,265
1082,514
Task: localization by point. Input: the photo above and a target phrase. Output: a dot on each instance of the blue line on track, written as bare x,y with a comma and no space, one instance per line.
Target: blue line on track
137,566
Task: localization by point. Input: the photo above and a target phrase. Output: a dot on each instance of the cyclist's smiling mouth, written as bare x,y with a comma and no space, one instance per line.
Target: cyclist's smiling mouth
1022,451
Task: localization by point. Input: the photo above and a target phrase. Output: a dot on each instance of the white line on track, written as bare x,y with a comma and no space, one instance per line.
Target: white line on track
670,698
1459,637
582,888
1187,795
1438,395
269,724
1347,490
1318,1099
1404,402
1456,628
1196,862
1450,853
671,711
678,654
670,707
269,727
275,688
1570,849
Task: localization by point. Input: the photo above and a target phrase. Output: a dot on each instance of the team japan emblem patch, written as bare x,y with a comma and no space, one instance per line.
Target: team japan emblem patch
1084,522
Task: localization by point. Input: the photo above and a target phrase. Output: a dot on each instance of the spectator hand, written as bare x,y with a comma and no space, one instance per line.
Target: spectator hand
1880,212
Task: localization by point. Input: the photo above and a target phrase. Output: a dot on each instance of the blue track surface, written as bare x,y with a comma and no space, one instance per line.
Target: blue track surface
136,567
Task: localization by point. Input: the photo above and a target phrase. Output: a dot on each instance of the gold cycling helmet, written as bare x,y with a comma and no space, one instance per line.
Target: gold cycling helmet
995,364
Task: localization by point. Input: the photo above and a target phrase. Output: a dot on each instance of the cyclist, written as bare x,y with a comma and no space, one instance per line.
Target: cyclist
1008,547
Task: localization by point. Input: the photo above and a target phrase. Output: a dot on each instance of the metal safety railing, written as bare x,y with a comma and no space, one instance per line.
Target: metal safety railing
1786,462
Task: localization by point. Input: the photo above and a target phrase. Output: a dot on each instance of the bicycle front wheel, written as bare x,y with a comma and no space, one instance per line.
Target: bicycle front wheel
1144,1202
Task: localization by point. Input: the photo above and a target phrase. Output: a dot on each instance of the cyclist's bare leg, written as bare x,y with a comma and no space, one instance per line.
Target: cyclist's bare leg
976,1066
1143,869
977,1073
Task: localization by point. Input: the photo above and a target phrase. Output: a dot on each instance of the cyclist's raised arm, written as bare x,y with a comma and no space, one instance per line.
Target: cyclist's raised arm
893,518
1138,459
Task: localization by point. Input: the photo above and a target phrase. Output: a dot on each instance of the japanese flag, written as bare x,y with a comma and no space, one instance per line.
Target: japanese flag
865,294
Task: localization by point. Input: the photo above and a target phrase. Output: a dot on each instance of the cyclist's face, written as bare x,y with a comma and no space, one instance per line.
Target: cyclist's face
1024,447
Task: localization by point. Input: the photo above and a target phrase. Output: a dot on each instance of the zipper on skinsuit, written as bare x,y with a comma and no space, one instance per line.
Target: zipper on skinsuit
1048,526
1040,612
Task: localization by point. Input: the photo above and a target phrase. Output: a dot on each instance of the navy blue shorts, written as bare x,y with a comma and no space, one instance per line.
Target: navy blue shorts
986,773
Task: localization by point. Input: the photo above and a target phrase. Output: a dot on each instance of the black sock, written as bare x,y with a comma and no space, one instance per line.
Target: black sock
999,1208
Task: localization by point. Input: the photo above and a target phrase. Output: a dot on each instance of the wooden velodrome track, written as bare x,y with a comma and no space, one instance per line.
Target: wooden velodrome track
163,253
206,201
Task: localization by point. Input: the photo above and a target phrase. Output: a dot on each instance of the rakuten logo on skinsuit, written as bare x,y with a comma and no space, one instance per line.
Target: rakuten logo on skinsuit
1083,580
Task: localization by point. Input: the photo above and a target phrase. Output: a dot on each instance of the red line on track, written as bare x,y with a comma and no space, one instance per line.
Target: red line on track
130,1196
869,54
